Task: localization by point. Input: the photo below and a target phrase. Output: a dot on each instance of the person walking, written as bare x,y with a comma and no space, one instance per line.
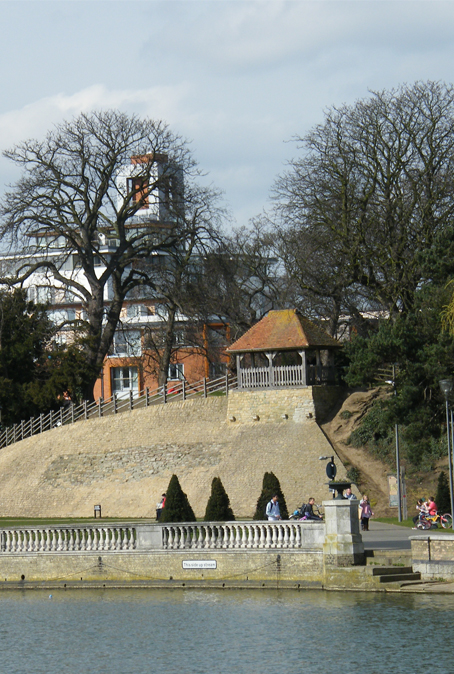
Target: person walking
366,512
272,509
160,507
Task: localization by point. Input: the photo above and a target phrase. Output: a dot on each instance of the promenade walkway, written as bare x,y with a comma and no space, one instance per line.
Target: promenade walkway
383,536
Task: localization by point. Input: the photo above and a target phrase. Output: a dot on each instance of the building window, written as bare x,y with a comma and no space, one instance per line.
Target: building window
176,371
127,343
139,188
44,294
218,370
124,380
136,310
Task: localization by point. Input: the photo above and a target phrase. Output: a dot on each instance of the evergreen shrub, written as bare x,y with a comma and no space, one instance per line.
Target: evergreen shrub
270,487
177,507
443,497
218,507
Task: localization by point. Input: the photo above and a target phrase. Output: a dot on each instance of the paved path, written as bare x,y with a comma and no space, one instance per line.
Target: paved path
383,536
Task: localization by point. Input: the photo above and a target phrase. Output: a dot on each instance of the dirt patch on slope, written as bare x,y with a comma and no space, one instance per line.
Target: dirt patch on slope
373,473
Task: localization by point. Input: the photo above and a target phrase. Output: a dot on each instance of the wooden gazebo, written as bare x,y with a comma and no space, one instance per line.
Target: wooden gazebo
284,349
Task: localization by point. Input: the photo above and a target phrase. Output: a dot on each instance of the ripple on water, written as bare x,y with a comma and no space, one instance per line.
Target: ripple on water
222,632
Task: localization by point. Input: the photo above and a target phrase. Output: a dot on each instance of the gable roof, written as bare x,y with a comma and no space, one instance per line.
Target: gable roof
284,330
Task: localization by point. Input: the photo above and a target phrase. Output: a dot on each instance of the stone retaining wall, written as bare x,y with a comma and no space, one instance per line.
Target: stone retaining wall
433,556
125,462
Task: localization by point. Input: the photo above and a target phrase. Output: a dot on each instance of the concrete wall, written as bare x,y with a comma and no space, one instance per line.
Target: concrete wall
433,556
303,567
125,462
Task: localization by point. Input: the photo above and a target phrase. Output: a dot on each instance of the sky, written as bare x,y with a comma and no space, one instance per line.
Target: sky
238,78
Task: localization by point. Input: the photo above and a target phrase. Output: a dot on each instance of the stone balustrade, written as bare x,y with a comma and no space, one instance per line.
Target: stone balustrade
338,539
186,536
67,539
243,535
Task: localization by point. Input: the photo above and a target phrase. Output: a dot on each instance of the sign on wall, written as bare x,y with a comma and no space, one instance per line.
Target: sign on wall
200,564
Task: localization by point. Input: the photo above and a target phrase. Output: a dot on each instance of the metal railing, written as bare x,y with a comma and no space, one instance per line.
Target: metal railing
181,390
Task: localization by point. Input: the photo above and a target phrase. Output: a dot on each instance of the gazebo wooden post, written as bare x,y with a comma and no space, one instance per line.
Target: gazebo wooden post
238,370
303,367
270,355
318,366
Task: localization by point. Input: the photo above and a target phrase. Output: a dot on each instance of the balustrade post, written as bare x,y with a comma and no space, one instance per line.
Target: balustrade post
269,536
183,388
131,400
147,393
164,393
51,419
204,387
72,412
61,416
85,410
114,399
100,401
31,426
41,422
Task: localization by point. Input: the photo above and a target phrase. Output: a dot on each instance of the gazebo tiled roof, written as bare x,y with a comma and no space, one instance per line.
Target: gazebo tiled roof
284,330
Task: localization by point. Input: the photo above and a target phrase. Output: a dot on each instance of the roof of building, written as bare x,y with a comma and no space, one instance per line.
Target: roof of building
284,330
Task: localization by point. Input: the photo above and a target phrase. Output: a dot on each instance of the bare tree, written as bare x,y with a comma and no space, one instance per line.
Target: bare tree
178,279
89,225
371,191
241,281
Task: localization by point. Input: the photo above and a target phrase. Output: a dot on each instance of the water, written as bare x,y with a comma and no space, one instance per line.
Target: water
229,632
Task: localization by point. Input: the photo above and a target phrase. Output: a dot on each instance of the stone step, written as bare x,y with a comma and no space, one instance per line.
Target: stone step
391,570
388,557
400,577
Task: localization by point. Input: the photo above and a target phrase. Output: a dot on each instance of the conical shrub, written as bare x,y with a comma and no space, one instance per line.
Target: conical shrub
270,487
443,497
218,507
177,507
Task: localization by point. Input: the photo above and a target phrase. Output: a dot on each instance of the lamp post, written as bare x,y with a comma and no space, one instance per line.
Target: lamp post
446,388
396,430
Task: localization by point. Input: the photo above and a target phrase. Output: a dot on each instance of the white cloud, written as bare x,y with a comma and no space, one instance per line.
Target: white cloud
34,119
238,77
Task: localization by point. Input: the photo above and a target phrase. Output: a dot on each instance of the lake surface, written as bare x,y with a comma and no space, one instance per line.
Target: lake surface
224,632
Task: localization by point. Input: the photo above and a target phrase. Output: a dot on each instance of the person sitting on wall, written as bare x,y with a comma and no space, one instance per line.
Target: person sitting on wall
309,512
160,507
272,509
349,494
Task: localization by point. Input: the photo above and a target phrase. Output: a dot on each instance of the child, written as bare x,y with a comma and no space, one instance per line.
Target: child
366,512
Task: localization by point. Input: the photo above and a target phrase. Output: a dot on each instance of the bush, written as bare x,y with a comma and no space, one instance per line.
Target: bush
346,414
354,475
270,487
443,497
218,507
177,507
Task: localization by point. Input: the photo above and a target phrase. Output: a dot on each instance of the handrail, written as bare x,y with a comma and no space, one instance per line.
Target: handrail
70,414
